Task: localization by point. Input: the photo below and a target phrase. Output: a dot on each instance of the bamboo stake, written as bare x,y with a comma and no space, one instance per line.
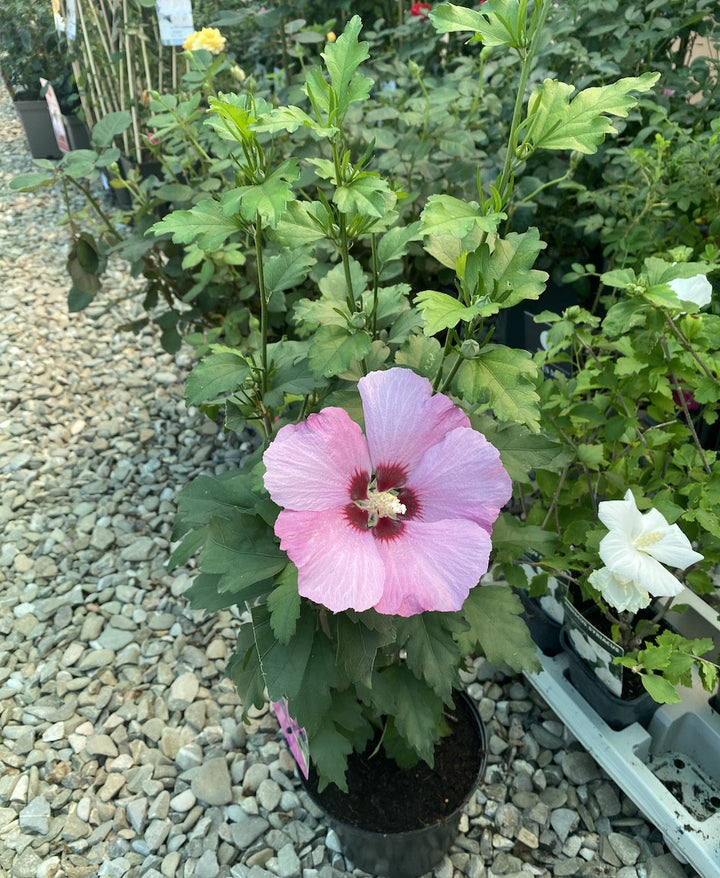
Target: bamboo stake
132,94
90,62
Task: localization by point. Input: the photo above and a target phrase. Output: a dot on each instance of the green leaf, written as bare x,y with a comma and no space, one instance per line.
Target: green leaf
445,215
290,119
393,244
245,670
235,114
268,199
358,646
660,689
207,496
423,355
625,315
494,615
417,710
330,749
283,665
497,23
31,181
521,450
507,377
204,224
432,650
509,533
242,549
188,547
334,348
222,371
440,311
708,675
284,605
105,130
507,274
366,195
555,122
78,300
287,269
618,277
707,390
204,594
342,58
84,281
302,224
175,192
313,699
591,455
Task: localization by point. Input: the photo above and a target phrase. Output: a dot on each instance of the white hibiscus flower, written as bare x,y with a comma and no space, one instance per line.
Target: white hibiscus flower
697,289
638,545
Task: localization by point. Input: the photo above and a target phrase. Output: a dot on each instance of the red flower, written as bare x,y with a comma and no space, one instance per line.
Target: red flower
420,10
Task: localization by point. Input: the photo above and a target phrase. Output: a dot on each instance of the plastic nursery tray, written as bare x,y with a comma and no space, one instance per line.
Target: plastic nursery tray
671,769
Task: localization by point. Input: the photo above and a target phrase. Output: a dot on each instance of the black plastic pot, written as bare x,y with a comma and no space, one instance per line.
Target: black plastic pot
77,132
404,854
618,713
544,630
36,122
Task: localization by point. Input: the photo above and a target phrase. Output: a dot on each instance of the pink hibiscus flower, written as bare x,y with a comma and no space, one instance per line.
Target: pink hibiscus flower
400,520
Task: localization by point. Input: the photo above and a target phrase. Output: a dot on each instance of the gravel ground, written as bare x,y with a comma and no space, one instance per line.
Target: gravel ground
122,752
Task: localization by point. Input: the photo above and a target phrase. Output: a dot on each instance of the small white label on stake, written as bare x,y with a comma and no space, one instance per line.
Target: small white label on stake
70,19
176,21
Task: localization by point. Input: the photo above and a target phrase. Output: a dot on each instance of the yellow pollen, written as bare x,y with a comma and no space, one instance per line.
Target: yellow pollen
381,504
642,542
386,504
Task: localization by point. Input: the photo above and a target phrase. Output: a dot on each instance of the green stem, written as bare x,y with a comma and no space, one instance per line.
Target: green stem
683,402
689,348
545,186
504,184
342,227
446,351
267,423
96,207
373,316
451,374
68,209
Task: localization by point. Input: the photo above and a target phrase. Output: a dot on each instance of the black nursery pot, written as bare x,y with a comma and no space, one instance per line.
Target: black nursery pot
410,852
544,630
618,713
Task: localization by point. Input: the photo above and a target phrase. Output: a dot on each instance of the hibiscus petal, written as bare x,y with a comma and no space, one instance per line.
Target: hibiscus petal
697,289
673,547
432,566
311,465
403,418
622,558
339,566
623,594
658,580
461,477
621,514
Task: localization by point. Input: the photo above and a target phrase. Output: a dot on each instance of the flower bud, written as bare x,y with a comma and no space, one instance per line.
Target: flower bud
470,349
357,321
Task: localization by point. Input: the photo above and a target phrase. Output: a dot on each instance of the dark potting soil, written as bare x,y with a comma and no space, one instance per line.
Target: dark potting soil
384,798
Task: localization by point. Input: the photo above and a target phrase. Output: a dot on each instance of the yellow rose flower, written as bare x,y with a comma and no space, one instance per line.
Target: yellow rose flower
208,38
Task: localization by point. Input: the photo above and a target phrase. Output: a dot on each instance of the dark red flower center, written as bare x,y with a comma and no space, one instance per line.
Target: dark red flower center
383,504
